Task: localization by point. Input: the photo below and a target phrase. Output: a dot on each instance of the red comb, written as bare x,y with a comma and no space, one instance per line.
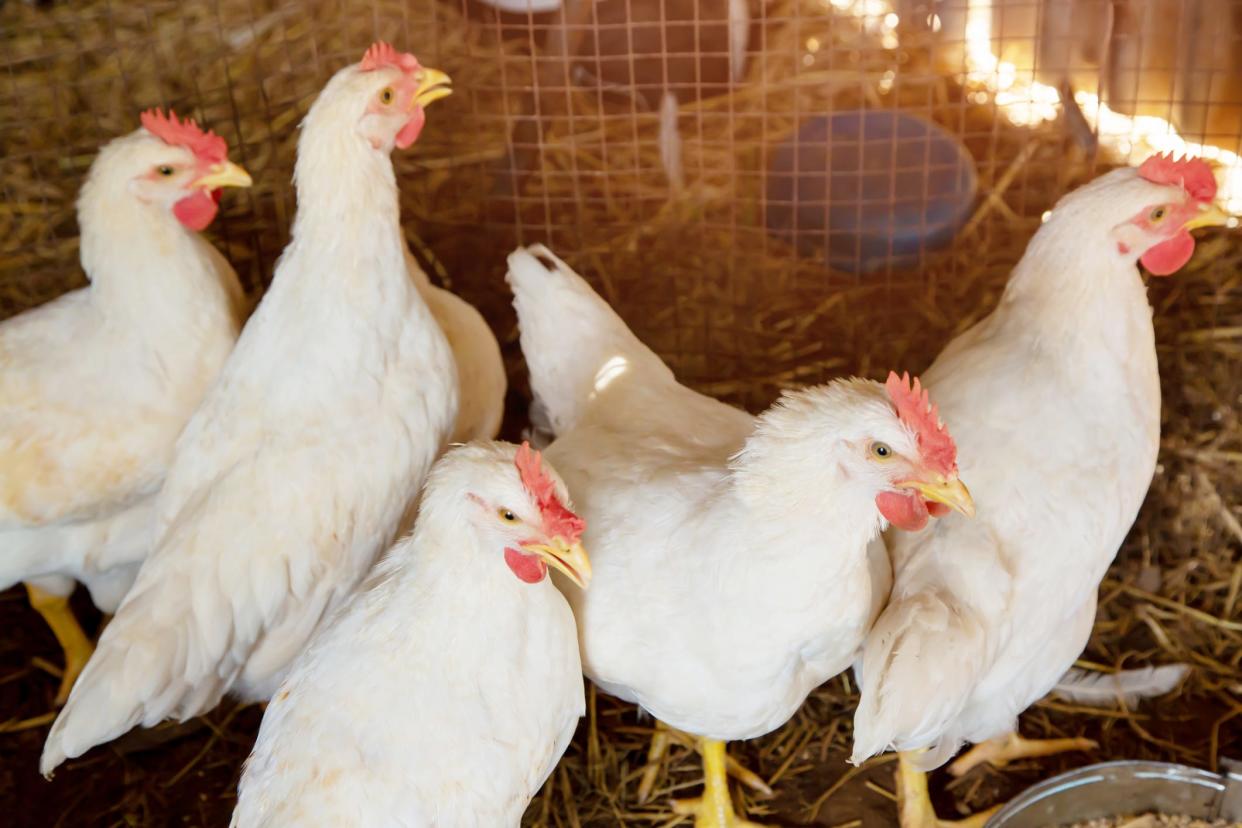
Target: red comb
207,147
915,409
557,520
1191,174
382,54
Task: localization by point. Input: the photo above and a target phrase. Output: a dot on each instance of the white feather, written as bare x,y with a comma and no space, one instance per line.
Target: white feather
446,689
96,385
1054,401
739,35
481,376
1128,687
732,570
539,433
295,471
670,143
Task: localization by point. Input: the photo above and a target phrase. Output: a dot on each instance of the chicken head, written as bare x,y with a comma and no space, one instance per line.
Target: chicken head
523,514
921,466
397,91
1178,199
178,165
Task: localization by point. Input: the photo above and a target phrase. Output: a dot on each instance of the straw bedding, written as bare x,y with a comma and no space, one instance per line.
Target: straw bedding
734,312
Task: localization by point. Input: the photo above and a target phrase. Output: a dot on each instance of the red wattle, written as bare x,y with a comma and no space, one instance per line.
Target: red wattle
937,510
529,568
409,133
907,512
196,211
1168,257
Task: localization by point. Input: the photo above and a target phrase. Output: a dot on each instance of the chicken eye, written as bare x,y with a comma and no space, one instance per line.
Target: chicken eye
387,95
507,516
165,170
881,451
1157,215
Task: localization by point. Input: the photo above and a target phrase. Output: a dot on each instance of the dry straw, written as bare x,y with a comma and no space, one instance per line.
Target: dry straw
735,313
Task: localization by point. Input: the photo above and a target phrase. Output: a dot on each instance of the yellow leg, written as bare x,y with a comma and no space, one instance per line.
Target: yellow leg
1002,751
76,646
714,809
914,806
656,752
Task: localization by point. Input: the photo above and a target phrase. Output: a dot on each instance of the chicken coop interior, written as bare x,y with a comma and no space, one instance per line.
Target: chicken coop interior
771,194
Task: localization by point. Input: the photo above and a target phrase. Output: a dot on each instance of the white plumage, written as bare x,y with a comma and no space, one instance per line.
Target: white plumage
447,688
1055,403
481,376
732,573
95,386
294,473
1127,687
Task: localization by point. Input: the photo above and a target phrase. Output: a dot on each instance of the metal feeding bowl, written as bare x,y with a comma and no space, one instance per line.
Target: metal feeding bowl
1110,789
869,189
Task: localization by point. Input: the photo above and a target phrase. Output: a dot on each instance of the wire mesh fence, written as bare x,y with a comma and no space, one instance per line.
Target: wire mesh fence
724,167
770,192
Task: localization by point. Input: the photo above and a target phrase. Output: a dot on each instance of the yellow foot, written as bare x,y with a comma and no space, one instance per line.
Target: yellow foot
707,816
932,821
914,805
76,646
658,750
1006,749
714,809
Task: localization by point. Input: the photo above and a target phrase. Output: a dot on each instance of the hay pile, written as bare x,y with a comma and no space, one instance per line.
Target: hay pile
734,312
78,74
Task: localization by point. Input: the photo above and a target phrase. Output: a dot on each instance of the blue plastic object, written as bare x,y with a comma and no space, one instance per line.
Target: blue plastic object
869,189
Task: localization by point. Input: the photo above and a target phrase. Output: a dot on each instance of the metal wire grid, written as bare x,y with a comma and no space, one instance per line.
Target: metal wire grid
555,134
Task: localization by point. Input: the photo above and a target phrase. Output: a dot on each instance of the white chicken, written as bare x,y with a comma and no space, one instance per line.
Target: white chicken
732,573
481,376
1055,400
294,473
445,690
95,386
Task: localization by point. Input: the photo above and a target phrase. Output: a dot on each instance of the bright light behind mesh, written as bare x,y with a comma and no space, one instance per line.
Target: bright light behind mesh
1027,102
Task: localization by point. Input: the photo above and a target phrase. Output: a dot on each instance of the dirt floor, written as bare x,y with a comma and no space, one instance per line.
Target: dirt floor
736,317
1171,596
185,775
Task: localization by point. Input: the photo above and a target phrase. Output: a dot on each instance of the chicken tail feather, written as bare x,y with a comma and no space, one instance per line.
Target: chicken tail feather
141,673
574,343
921,641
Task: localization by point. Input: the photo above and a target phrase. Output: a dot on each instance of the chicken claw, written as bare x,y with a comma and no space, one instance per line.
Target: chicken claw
714,809
64,625
660,740
914,805
1006,749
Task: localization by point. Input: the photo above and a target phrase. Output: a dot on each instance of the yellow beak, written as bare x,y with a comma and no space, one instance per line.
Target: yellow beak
952,493
226,174
570,559
432,86
1210,216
